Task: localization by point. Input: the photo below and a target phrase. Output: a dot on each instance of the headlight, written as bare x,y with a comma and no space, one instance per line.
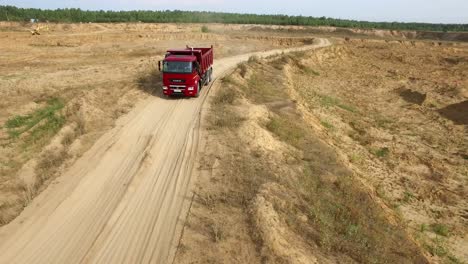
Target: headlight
164,87
190,88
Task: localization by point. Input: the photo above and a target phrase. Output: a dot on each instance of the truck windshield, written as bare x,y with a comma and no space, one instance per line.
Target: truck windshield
177,67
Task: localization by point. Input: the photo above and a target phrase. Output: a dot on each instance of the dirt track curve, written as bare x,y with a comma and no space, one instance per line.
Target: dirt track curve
125,200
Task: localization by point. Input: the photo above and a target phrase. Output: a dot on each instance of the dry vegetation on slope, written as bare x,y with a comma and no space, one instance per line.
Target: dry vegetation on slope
398,113
348,154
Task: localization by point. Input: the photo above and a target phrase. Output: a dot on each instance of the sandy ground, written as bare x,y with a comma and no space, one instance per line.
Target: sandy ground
398,113
122,201
99,72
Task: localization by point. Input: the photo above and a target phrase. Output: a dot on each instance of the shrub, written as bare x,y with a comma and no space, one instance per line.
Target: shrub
205,29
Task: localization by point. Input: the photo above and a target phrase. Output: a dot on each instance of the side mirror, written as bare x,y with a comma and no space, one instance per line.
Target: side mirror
159,65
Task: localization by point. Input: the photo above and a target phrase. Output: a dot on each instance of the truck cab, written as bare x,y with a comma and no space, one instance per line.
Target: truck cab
186,71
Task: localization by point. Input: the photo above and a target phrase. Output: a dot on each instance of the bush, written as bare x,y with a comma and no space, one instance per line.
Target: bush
205,29
225,96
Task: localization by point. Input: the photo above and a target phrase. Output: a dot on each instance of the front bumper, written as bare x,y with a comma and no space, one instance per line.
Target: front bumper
179,91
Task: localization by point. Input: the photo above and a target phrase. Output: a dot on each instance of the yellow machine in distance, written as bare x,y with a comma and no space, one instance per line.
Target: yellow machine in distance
39,29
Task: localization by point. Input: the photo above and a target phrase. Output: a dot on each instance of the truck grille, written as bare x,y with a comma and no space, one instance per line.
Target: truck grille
178,87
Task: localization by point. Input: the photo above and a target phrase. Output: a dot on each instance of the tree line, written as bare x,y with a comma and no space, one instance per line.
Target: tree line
75,15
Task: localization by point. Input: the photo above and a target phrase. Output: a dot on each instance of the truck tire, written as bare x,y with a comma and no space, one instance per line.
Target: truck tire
209,77
198,90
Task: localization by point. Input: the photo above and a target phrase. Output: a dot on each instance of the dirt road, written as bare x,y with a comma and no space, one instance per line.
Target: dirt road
124,201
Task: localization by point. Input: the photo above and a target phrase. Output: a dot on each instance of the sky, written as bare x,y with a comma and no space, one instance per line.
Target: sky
431,11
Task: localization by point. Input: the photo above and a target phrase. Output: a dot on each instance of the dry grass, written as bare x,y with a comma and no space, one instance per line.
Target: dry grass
12,199
49,163
385,107
217,232
223,116
225,96
343,218
150,81
68,138
243,69
226,118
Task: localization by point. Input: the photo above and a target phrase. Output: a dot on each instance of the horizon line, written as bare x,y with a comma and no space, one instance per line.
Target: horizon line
238,13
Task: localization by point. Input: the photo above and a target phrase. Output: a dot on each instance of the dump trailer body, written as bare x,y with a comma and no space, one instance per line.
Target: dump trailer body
185,71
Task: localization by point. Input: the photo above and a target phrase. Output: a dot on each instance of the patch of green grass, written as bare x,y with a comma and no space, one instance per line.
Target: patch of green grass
423,228
42,123
327,125
382,152
311,71
454,260
407,197
352,230
355,158
440,229
436,248
380,191
383,122
286,129
14,76
329,101
11,164
205,29
347,107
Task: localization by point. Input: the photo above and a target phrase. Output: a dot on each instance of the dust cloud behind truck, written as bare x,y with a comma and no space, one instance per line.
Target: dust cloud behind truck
186,71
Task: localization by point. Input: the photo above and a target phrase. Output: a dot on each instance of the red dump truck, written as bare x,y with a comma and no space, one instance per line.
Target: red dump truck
186,71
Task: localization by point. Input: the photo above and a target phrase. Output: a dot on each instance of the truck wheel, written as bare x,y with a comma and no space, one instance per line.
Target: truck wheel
208,77
207,80
198,90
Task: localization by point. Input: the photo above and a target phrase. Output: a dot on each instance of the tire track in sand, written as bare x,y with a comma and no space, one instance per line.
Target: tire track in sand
125,200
